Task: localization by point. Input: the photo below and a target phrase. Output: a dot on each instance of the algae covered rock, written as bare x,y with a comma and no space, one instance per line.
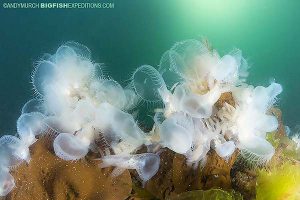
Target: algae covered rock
215,194
49,177
216,173
175,176
244,180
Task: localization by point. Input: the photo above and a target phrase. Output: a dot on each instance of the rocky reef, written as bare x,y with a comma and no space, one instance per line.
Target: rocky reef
212,136
49,177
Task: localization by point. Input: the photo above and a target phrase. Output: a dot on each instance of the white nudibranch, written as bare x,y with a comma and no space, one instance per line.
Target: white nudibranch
190,80
7,182
176,133
77,104
80,104
13,151
70,147
252,121
146,164
74,91
30,125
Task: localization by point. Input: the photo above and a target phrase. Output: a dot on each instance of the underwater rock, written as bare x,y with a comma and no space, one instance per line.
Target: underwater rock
49,177
175,176
185,177
244,180
161,184
281,128
225,98
216,173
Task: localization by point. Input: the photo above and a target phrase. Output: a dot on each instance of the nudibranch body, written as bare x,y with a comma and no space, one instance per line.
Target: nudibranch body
74,92
13,151
190,80
82,105
77,104
7,182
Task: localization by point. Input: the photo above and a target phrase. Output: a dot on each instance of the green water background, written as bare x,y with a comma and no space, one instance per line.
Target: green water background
137,32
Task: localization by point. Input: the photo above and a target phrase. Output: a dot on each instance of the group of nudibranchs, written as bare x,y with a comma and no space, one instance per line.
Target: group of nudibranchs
75,100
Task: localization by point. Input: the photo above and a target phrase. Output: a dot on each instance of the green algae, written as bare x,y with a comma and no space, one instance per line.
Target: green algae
281,182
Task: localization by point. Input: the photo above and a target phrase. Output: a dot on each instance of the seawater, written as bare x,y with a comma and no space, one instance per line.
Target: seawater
136,32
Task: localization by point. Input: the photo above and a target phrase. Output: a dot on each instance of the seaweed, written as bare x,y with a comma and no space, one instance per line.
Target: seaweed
281,182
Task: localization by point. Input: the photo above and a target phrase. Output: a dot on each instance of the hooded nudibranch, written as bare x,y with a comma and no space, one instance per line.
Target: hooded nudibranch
189,81
81,106
76,102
